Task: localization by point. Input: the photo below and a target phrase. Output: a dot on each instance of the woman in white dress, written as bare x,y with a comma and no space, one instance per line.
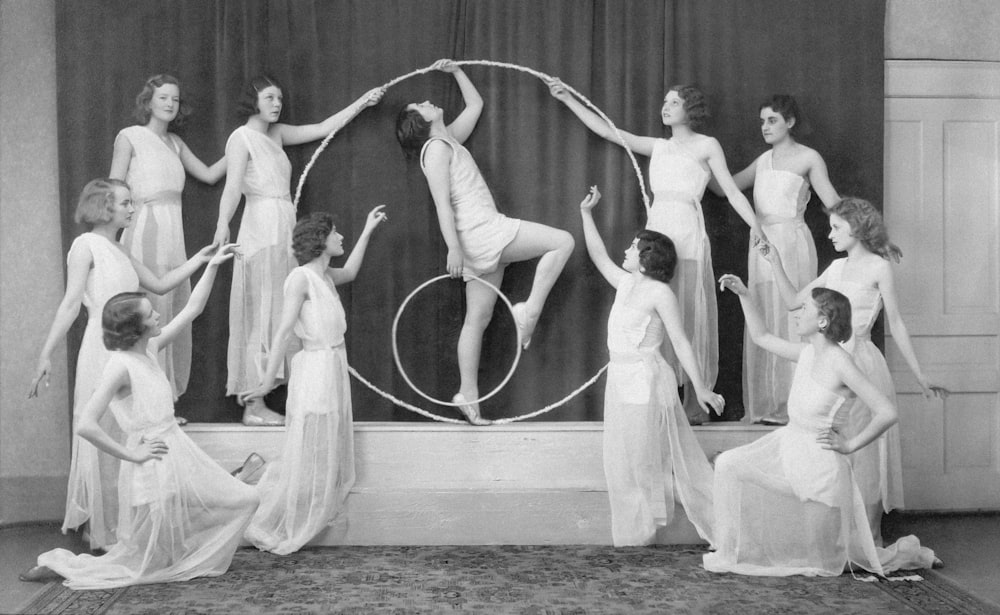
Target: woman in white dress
788,503
153,160
680,167
481,241
865,277
258,168
650,450
97,269
305,491
182,515
781,178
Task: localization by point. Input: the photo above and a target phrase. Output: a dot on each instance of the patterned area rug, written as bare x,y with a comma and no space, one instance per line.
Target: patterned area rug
536,580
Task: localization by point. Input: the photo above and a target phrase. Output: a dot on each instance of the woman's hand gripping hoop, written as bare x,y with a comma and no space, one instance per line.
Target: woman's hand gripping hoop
399,364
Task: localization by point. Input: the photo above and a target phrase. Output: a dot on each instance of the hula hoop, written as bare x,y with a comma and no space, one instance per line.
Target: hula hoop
645,200
399,364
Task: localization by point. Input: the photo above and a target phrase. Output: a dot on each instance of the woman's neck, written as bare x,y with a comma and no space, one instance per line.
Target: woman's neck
319,264
783,147
257,123
108,231
157,127
140,346
438,129
682,132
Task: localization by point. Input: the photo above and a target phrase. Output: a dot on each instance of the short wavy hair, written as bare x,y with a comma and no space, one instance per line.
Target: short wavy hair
247,103
412,131
310,234
657,255
867,226
695,105
94,205
142,113
122,319
784,105
837,309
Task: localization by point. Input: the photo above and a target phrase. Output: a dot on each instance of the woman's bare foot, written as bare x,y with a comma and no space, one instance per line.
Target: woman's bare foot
471,411
525,323
256,414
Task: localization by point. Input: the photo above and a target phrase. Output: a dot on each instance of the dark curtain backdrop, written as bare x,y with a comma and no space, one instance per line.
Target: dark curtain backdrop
538,159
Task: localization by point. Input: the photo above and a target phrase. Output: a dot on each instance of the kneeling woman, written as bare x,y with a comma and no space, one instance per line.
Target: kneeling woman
181,515
788,503
650,450
306,491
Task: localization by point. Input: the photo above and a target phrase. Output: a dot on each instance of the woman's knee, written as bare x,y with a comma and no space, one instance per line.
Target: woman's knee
478,317
564,242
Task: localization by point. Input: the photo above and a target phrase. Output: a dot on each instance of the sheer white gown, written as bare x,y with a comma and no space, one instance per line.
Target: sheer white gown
265,239
92,492
306,490
780,198
651,454
786,506
678,182
156,236
180,517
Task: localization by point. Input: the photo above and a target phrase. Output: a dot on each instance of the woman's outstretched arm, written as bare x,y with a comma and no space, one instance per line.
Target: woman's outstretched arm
595,245
295,135
199,297
597,125
463,125
755,324
349,271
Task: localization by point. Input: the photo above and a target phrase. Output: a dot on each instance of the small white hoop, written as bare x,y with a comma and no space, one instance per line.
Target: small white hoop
399,363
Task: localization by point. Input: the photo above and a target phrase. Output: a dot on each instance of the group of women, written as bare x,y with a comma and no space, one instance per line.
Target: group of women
837,456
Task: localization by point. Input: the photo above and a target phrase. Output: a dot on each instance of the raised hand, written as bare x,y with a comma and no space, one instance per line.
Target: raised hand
733,284
373,96
375,217
41,375
225,253
590,201
149,449
446,66
558,89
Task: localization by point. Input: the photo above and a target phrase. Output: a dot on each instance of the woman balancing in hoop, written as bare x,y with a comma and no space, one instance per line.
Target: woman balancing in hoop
650,450
679,170
481,241
155,161
258,167
865,277
781,178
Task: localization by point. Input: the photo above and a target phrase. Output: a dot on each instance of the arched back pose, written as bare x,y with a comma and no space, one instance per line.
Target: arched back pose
788,503
650,450
679,169
258,167
154,160
481,241
306,490
781,178
182,515
866,278
97,269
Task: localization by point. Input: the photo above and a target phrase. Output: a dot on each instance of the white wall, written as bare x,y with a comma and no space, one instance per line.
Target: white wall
34,435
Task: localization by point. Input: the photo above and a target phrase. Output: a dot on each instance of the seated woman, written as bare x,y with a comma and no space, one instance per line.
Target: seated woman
181,516
788,504
650,450
481,241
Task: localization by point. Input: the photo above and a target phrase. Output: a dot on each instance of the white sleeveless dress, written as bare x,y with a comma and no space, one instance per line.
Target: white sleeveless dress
879,467
483,232
780,198
306,490
92,493
678,182
180,517
786,506
156,236
650,450
265,239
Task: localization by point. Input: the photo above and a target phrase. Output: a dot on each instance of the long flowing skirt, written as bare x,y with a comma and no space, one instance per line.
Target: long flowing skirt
306,490
156,239
181,517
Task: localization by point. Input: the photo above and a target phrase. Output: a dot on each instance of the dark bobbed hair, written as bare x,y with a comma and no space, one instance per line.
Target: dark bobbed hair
247,103
121,320
657,255
695,105
867,226
94,205
412,131
785,105
837,309
309,236
141,113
